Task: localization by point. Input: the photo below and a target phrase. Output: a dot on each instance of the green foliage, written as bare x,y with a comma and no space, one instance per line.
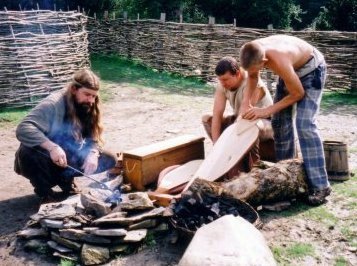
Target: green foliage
65,262
341,261
12,116
332,99
296,250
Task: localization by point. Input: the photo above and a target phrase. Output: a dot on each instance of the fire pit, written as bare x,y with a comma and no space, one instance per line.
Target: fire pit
205,202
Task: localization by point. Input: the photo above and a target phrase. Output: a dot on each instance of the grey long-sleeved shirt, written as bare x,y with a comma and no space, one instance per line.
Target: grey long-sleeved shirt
44,121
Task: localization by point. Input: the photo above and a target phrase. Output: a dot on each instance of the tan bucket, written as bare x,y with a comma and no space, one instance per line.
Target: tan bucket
336,158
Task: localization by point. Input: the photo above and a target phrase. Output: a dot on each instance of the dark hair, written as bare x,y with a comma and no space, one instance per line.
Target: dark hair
227,63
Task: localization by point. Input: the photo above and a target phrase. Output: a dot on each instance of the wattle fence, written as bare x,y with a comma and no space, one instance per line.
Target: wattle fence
39,52
194,49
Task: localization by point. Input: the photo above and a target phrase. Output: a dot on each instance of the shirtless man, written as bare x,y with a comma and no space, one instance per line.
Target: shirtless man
302,73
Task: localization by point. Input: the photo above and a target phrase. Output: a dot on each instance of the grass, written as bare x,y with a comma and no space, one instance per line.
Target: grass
120,70
65,262
283,255
341,261
331,98
12,116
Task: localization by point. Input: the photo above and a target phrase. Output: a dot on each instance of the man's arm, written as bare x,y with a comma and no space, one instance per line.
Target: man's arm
249,92
294,87
218,109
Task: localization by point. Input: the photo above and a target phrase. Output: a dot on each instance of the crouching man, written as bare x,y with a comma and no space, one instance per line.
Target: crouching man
64,129
232,81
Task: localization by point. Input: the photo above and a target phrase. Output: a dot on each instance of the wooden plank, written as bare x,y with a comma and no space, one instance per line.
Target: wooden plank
231,146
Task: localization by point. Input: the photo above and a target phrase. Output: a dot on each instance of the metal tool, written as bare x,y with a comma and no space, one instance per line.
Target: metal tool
115,198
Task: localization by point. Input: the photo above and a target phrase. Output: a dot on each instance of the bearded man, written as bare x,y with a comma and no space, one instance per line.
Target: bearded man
63,130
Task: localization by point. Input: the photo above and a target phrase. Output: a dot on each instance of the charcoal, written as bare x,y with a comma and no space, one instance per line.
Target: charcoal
205,202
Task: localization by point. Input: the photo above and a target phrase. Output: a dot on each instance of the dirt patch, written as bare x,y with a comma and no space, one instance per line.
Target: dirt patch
140,116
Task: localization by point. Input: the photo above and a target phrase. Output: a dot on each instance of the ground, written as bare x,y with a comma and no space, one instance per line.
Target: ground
135,116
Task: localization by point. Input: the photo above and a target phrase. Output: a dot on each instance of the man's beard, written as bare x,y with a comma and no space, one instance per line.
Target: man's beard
83,110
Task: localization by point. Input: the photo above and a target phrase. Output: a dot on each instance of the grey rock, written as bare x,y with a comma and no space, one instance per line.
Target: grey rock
243,245
161,228
48,223
90,229
92,255
135,235
71,256
110,232
55,211
80,235
119,249
109,219
33,233
54,245
65,242
71,224
93,205
39,246
136,201
143,224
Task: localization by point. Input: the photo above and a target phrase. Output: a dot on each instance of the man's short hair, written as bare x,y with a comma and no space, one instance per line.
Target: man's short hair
226,64
251,53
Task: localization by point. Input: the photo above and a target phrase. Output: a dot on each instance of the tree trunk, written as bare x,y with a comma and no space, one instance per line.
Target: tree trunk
270,183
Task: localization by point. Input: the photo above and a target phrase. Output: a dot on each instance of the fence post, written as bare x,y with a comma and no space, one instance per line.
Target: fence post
162,17
270,27
78,9
181,18
54,7
95,16
211,20
138,16
20,7
234,23
113,15
125,15
106,14
38,6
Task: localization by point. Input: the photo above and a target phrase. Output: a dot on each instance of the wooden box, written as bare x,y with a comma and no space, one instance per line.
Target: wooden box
143,165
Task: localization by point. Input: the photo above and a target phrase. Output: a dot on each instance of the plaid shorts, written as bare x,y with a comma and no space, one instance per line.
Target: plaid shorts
305,122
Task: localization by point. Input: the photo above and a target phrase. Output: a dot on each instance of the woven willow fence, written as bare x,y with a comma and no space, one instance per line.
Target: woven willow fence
39,51
194,49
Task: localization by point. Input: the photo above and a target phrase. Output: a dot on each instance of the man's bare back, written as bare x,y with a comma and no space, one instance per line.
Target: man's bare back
283,47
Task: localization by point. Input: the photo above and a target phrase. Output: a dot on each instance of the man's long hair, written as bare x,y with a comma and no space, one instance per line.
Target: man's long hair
85,79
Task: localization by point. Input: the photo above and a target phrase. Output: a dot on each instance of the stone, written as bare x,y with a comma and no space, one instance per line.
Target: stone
32,233
48,223
55,211
65,242
36,245
136,201
161,228
118,249
135,235
228,240
80,235
71,224
110,232
93,205
278,206
54,245
143,224
91,255
129,220
71,257
90,229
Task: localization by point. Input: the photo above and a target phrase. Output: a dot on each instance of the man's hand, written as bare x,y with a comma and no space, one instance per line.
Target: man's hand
90,164
256,113
58,156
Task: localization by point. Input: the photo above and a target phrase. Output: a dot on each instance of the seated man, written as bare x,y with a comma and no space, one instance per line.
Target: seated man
64,129
232,83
